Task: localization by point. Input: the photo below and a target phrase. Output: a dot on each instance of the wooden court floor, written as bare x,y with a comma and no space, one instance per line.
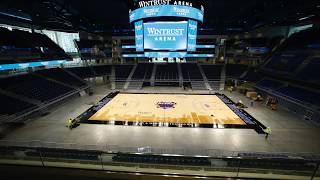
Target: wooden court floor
168,108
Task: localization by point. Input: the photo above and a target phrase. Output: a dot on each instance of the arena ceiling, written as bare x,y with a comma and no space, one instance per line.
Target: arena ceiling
106,16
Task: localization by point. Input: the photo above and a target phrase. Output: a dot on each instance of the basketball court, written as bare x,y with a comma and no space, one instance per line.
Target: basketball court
167,108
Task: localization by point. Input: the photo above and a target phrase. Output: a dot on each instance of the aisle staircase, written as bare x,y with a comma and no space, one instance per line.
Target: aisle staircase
129,79
205,80
223,77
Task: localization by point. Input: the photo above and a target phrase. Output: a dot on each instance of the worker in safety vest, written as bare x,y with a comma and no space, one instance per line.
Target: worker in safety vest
69,123
267,131
259,97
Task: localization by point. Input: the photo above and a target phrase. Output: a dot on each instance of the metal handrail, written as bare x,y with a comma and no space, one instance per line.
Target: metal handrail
213,153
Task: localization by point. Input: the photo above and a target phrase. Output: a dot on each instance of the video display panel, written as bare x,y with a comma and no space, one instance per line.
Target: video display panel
192,35
165,35
138,26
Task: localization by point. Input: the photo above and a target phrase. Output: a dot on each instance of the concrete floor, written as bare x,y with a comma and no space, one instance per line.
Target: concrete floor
289,134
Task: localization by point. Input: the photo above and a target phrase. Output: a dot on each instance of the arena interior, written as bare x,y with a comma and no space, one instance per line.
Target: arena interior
160,89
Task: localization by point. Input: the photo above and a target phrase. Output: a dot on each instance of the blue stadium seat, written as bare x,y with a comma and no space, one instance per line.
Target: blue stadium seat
167,72
212,72
191,72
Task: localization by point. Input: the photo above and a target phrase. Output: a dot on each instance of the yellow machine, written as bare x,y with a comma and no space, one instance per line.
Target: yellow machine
71,123
230,89
272,103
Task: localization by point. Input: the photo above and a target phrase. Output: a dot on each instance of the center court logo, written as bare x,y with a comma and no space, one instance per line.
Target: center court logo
166,105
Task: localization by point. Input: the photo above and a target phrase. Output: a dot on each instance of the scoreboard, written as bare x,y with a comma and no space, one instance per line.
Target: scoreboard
166,28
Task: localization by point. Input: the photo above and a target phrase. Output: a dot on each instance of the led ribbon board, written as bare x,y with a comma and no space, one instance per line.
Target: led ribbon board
168,55
165,54
166,10
258,50
29,64
128,46
132,55
200,55
205,46
165,35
